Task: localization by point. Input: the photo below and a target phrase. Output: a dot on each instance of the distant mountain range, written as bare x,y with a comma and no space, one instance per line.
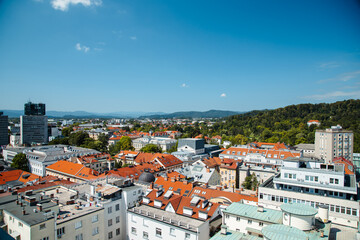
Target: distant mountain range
81,114
194,114
154,115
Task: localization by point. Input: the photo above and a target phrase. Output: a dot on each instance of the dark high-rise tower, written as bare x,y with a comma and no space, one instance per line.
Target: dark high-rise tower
33,125
34,109
4,138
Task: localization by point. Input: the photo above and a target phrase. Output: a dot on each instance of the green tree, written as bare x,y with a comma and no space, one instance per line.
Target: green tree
66,131
151,148
173,148
118,164
250,182
125,143
20,162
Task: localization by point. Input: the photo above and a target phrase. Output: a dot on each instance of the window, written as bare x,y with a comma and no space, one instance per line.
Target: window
109,209
158,232
117,231
45,238
172,231
42,226
117,219
95,218
249,221
60,231
110,236
117,207
238,219
145,235
79,237
187,235
336,181
227,216
134,193
354,212
261,224
337,209
20,224
109,222
95,231
133,230
78,225
331,180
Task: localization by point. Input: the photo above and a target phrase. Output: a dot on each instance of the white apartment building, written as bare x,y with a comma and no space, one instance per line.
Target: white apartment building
260,153
292,221
51,214
171,216
42,156
164,143
334,142
315,183
115,196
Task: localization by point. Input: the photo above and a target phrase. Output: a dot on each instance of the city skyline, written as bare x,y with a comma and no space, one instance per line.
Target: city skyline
108,56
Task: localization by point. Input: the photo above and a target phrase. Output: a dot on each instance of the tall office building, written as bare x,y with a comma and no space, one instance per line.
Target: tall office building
334,142
4,138
33,125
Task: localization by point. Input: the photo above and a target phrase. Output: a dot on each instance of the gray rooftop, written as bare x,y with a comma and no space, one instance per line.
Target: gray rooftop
167,217
31,217
249,211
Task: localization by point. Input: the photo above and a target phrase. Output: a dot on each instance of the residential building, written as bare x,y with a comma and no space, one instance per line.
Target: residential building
15,139
334,142
40,157
199,172
315,183
115,195
262,173
51,214
313,122
70,171
293,221
258,153
4,122
33,125
307,150
13,179
229,174
164,143
99,162
170,216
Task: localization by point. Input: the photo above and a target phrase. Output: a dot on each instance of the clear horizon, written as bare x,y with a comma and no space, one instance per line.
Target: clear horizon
106,56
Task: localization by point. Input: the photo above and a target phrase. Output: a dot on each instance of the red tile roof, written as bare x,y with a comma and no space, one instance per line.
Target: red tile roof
174,186
209,194
73,169
348,165
167,160
17,174
274,154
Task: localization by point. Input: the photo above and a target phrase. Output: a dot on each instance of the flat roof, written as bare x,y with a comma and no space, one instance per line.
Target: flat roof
154,213
283,232
250,211
299,209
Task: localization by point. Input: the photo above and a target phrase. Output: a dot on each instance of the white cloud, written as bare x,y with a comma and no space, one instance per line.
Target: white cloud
336,94
133,38
82,48
223,95
184,85
329,65
63,5
344,77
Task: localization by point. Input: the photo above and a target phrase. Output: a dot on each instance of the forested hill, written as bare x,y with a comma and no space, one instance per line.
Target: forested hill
289,124
194,114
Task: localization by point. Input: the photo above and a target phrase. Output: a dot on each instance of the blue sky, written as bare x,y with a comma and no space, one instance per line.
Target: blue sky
132,55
